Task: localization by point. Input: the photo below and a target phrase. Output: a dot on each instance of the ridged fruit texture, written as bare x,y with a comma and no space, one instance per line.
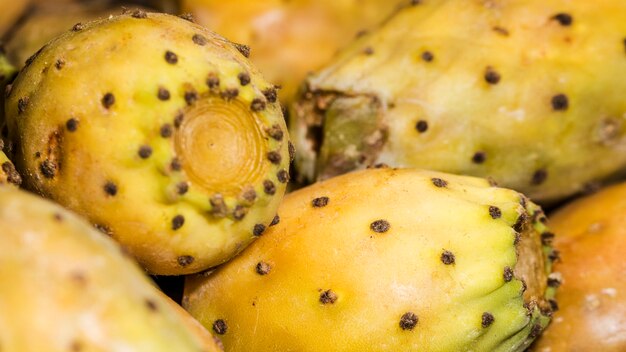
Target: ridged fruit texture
386,260
66,287
528,92
157,130
591,237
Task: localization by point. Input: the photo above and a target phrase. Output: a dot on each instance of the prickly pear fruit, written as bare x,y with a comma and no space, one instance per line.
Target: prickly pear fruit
525,92
290,38
8,174
591,237
385,260
66,287
178,149
10,11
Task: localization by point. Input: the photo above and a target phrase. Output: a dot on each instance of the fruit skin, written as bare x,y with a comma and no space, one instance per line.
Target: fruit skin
178,150
66,287
8,174
504,89
591,237
354,256
289,39
11,12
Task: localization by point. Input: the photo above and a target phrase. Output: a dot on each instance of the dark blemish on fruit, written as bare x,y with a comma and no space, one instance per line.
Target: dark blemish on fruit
560,102
521,222
368,51
108,100
170,57
177,222
553,305
218,206
508,274
539,177
283,176
110,188
262,268
328,297
182,187
258,229
22,103
12,175
244,78
187,17
175,164
166,130
78,27
421,126
229,94
501,30
487,319
269,187
59,64
439,182
220,327
535,331
380,226
185,260
491,76
163,94
152,306
178,120
292,151
495,212
408,321
239,212
447,257
563,18
191,97
144,151
243,49
554,281
104,229
139,14
319,202
275,220
428,56
270,95
479,157
199,39
275,132
249,194
213,82
546,238
48,168
274,157
257,105
71,124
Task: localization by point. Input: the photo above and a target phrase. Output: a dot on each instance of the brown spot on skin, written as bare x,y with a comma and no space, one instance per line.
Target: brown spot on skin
535,331
249,194
275,132
319,202
439,182
22,103
139,14
564,19
447,257
521,222
408,321
239,212
178,120
12,175
166,130
554,306
213,82
199,39
243,49
428,56
58,217
270,95
292,151
78,27
508,274
275,220
539,177
487,319
185,260
560,102
501,30
163,94
71,124
144,151
59,64
191,97
108,100
218,206
421,126
257,105
368,51
491,76
269,187
220,327
151,305
244,78
495,212
175,165
110,188
48,168
104,229
262,268
274,157
554,281
230,94
283,176
380,226
328,297
258,229
177,222
170,57
182,187
546,238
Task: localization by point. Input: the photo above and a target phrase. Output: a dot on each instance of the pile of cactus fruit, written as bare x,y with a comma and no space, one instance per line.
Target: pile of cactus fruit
313,176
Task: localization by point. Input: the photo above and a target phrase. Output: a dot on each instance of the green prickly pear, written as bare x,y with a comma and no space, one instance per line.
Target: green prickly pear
157,130
528,93
386,260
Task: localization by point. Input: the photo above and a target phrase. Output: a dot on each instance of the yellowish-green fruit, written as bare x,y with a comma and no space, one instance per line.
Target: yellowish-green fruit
289,39
157,130
66,287
528,92
10,11
385,260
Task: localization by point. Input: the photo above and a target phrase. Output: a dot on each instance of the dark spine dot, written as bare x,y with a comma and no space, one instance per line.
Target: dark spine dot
554,280
270,95
213,81
560,102
244,78
243,49
48,169
520,222
408,321
59,64
495,212
328,297
187,17
547,238
479,157
144,151
191,97
380,226
178,120
12,175
553,305
163,94
151,305
257,105
258,229
539,177
175,164
554,255
487,319
166,130
319,202
239,212
182,187
177,222
292,151
421,126
275,220
269,187
22,103
139,14
108,100
262,268
563,18
439,182
185,260
170,57
78,27
275,132
283,176
508,274
220,327
199,39
110,188
71,124
368,51
428,56
491,76
535,331
447,257
274,157
229,94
